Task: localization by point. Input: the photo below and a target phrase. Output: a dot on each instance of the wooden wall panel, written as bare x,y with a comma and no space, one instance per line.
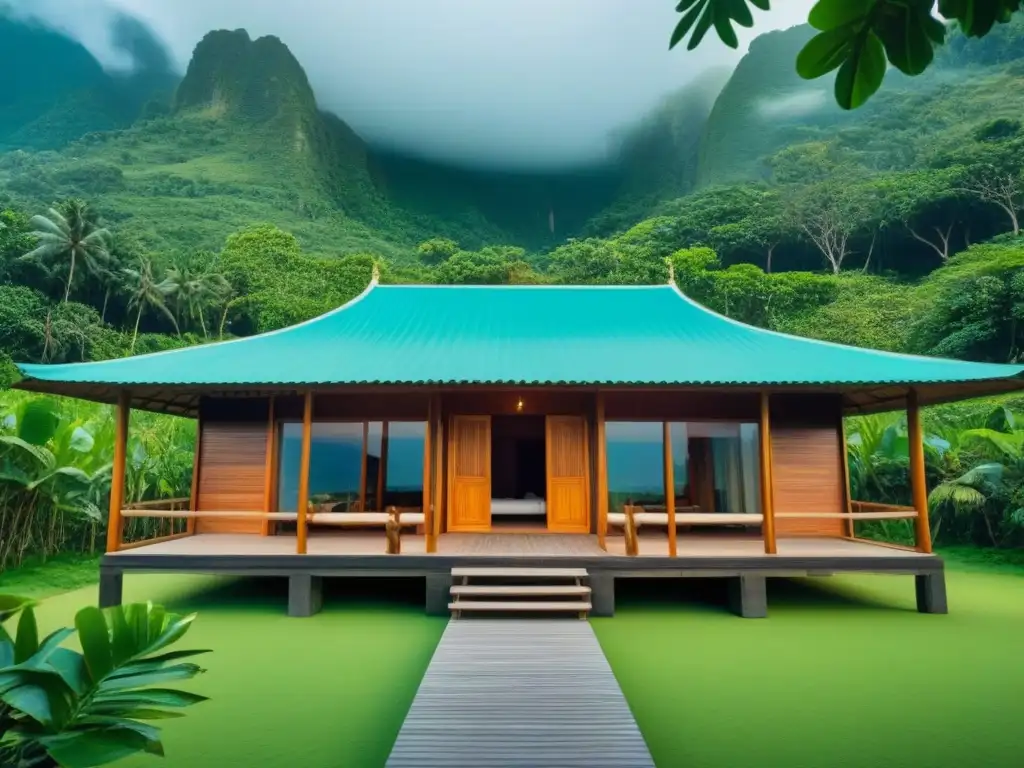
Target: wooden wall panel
233,461
807,461
408,406
682,406
506,402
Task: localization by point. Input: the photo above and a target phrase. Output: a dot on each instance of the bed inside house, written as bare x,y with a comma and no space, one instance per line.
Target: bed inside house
518,471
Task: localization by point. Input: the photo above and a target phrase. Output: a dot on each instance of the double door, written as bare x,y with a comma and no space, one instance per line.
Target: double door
469,474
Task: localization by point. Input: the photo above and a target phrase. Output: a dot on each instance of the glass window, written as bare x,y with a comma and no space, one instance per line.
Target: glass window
335,466
715,466
403,485
635,464
722,466
393,455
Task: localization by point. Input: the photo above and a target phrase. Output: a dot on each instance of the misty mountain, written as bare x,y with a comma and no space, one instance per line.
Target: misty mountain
55,91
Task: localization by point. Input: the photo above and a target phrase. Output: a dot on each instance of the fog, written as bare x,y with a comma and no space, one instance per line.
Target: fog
526,84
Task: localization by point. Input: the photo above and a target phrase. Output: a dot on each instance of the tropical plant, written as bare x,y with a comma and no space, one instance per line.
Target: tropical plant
60,707
990,490
148,293
69,233
55,461
196,291
857,37
38,457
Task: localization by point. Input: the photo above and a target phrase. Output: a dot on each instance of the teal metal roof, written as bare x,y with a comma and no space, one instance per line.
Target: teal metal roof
523,335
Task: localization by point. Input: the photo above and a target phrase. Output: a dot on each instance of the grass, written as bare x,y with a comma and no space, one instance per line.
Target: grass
844,673
325,691
60,573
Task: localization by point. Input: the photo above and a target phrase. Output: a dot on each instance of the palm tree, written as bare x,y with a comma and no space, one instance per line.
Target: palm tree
148,293
69,233
196,291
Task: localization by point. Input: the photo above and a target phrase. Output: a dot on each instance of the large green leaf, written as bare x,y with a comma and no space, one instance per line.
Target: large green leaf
26,642
149,697
6,651
907,39
37,693
977,17
11,605
39,421
830,14
71,666
151,663
86,749
167,674
862,72
81,440
95,639
823,53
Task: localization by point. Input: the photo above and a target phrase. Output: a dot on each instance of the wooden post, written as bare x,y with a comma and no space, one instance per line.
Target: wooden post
918,481
851,531
767,501
268,478
301,509
362,468
193,499
382,466
602,476
428,478
670,487
439,480
115,524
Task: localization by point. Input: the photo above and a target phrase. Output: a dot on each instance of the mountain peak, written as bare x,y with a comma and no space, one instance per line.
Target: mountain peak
236,76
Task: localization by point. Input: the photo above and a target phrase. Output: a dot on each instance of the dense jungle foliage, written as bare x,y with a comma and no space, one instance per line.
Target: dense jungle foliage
228,204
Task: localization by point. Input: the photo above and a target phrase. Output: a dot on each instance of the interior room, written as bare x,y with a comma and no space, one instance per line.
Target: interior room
518,472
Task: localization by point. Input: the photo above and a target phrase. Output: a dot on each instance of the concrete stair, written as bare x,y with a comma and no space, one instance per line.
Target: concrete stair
519,591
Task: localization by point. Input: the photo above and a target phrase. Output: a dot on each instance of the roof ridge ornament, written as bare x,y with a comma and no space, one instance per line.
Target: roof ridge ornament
375,275
671,271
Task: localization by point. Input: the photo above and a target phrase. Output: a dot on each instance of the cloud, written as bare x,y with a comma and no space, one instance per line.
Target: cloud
529,83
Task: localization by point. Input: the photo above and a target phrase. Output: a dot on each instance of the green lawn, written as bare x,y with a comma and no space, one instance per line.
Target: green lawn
843,673
327,691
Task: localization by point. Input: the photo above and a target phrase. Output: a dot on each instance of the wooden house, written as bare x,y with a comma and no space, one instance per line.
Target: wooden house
421,429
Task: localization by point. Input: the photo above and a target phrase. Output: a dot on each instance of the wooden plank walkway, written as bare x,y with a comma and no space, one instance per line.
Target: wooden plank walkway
519,693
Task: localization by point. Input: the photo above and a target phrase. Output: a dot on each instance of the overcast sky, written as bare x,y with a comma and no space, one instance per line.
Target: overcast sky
511,82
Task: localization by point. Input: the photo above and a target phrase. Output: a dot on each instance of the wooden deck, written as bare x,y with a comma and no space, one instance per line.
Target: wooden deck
360,554
523,693
519,545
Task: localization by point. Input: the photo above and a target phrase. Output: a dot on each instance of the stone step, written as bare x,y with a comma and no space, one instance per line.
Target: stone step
532,573
507,590
526,606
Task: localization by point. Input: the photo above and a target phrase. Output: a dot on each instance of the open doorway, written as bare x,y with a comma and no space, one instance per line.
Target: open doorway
518,472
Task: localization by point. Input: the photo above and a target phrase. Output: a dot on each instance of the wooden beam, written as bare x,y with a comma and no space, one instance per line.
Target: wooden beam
670,487
115,524
193,499
439,480
767,487
301,508
428,477
918,481
602,475
268,470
